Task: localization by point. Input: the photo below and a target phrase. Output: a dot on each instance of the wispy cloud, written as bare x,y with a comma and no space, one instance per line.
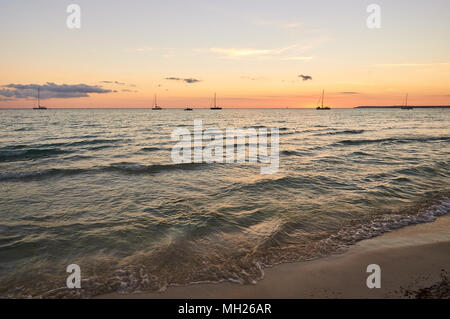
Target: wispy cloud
285,53
51,90
349,92
186,80
291,52
117,83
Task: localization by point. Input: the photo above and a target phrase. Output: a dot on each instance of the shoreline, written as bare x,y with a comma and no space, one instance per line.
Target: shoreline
411,258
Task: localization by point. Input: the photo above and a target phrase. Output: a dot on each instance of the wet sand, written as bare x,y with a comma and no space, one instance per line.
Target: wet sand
410,258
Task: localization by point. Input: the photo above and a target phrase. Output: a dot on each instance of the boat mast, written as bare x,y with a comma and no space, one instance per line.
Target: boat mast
39,97
323,92
215,100
406,100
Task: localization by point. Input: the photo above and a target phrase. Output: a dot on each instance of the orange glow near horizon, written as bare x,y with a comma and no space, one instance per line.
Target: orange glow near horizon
341,99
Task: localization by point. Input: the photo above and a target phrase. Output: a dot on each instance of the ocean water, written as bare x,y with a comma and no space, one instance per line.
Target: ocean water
98,188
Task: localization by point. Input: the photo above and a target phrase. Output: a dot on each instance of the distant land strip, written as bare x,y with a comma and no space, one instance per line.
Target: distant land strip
400,106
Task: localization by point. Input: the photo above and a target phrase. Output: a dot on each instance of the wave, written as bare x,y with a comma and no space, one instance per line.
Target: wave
288,242
282,130
34,151
293,153
134,168
394,140
258,126
310,183
385,223
23,176
99,147
95,141
123,167
437,168
150,149
29,154
22,129
359,153
344,132
29,146
62,144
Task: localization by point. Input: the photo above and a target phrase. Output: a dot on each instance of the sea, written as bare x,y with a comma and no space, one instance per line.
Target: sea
99,188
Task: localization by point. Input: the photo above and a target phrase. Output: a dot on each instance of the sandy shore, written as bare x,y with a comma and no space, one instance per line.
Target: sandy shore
410,258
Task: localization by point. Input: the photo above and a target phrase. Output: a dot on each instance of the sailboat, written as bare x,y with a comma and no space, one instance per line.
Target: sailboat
406,107
321,107
215,107
39,106
188,109
155,106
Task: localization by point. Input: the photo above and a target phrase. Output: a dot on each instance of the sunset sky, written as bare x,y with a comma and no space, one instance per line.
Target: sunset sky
250,52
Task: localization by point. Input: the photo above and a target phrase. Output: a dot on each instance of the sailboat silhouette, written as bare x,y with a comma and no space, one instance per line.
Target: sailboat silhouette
215,107
155,106
406,107
321,107
39,106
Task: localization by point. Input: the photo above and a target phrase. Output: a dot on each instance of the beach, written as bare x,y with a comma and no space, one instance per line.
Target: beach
411,258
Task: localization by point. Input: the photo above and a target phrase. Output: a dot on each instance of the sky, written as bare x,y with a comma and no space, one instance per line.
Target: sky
253,53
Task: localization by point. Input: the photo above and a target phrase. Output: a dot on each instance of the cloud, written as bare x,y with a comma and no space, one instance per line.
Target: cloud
117,83
113,82
291,52
186,80
235,53
286,53
305,77
349,92
50,90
